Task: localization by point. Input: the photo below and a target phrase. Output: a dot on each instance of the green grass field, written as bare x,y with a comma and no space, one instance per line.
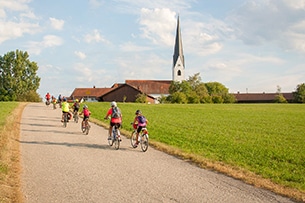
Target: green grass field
6,108
267,139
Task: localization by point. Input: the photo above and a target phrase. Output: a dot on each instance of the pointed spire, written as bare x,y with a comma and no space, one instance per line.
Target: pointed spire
178,45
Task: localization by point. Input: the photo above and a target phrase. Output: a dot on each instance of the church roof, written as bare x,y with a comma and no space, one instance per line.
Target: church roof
178,51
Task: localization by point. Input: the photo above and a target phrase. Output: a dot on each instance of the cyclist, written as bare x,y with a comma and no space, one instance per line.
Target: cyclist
54,101
139,122
116,117
65,109
75,106
59,100
48,97
86,113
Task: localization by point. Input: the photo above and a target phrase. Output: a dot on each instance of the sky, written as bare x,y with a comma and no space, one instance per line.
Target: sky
249,46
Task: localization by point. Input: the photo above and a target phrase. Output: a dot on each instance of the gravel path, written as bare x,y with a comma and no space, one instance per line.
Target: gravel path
64,165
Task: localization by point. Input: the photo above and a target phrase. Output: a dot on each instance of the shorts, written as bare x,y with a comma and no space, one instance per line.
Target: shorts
140,128
113,124
85,118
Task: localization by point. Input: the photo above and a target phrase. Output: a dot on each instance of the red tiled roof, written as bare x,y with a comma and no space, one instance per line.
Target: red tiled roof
91,92
151,86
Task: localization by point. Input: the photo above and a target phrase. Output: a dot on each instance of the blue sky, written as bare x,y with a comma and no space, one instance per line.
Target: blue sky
247,45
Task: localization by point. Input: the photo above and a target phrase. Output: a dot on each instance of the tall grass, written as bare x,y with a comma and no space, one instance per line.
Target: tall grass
267,139
9,153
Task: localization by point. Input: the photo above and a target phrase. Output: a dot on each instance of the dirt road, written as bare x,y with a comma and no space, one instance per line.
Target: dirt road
64,165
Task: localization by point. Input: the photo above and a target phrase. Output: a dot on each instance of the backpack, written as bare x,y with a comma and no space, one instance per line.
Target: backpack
116,113
76,105
142,119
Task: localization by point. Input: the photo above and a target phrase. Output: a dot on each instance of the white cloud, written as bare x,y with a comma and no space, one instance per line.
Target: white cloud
12,30
35,47
29,15
95,3
17,5
80,54
295,4
131,47
274,21
51,41
56,23
158,25
95,36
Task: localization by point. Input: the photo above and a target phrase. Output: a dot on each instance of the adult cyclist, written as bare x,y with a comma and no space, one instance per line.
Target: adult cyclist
115,117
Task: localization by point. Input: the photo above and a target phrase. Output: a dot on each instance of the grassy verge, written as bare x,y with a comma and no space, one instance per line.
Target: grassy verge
262,144
9,151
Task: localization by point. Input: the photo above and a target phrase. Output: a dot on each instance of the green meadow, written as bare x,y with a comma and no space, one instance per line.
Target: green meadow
266,139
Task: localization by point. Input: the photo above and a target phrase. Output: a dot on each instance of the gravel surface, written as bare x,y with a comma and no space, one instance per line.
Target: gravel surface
64,165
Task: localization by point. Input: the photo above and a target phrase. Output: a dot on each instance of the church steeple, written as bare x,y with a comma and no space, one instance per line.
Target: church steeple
178,58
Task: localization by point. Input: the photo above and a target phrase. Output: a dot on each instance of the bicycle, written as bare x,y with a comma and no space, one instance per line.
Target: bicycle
115,137
66,119
75,116
48,102
142,138
87,126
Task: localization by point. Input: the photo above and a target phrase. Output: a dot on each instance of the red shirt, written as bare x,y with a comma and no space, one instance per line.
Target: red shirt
86,112
113,120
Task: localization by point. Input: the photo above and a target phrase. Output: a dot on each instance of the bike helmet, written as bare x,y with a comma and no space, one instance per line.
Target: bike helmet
113,104
138,112
76,100
65,99
85,106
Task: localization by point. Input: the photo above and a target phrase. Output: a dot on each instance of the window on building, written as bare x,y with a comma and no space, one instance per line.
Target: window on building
179,72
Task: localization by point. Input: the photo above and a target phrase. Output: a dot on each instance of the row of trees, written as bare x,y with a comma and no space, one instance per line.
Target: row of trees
18,79
193,91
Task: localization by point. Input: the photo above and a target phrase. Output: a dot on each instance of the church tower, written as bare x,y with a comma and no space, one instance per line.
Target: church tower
178,58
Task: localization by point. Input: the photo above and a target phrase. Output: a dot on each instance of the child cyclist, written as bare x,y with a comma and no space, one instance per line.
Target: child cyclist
65,107
75,107
139,122
86,113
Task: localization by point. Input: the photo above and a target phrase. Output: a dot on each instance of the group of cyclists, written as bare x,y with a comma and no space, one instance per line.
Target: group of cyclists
113,113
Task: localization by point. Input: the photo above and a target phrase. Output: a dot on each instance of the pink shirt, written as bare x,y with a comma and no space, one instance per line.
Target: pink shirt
86,112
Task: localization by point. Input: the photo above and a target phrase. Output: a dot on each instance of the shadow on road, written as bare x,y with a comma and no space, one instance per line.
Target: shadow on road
85,145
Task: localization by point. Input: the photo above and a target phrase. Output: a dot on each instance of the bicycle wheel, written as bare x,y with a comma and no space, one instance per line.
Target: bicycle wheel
65,120
133,139
87,130
76,118
87,127
116,143
144,142
82,128
111,141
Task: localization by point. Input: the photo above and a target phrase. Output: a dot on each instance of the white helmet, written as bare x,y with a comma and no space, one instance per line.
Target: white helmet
113,104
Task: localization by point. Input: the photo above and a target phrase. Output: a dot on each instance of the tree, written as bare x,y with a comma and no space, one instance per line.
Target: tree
279,98
179,97
299,94
141,98
195,91
18,78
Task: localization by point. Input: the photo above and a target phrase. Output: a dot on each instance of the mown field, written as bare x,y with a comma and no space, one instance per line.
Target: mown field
266,139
